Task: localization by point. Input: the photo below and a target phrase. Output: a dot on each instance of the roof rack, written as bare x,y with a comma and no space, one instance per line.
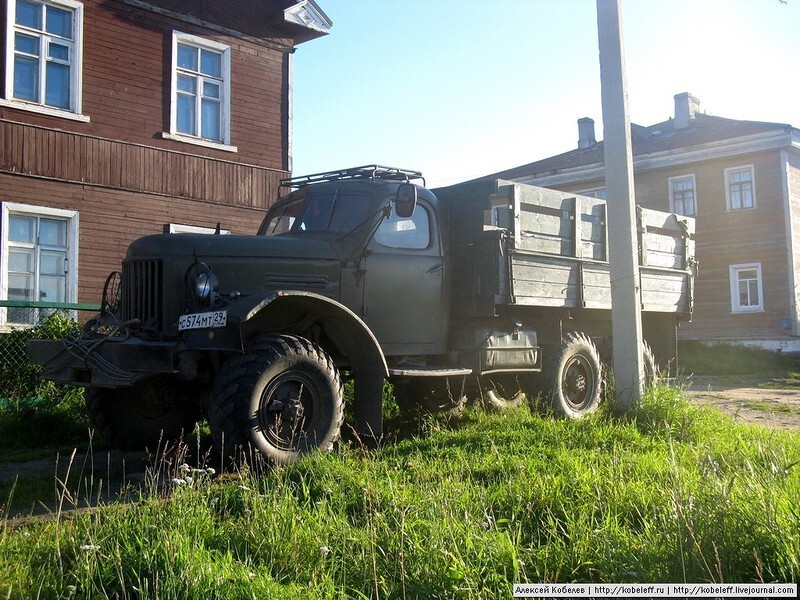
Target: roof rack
371,172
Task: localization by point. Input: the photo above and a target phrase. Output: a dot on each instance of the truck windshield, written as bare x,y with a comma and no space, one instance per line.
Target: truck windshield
336,212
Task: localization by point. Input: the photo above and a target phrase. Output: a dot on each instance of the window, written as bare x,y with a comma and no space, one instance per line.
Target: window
413,233
739,188
43,56
200,103
681,195
595,193
39,259
746,288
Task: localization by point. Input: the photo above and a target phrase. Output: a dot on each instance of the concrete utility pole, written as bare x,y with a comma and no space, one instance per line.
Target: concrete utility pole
626,313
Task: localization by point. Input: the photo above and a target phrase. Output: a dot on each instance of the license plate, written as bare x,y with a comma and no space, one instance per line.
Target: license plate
204,320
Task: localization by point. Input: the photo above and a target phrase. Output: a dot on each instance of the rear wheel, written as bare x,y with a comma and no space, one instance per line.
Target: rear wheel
504,392
142,416
282,398
573,376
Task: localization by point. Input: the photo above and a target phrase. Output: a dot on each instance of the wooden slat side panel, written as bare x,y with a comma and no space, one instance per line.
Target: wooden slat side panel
68,157
664,292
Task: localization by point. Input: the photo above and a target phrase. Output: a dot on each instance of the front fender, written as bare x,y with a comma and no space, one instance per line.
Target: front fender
346,336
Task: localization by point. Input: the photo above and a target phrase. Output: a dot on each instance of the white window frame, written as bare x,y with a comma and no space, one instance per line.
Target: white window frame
728,173
734,271
71,216
225,104
76,65
672,182
597,192
178,228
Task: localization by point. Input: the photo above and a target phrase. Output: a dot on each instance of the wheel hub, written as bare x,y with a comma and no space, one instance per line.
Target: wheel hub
575,383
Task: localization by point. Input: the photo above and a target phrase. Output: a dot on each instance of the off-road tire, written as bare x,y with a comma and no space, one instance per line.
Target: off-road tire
146,415
253,408
572,377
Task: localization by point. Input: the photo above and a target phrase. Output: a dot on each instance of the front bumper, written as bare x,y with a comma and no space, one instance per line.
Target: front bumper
106,363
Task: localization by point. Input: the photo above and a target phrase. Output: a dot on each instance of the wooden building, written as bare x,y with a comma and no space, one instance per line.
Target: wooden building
741,181
122,118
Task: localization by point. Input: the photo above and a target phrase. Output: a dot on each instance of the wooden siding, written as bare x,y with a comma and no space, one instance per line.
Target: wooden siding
63,156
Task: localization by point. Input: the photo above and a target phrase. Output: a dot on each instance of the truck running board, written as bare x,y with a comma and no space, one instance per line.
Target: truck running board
428,372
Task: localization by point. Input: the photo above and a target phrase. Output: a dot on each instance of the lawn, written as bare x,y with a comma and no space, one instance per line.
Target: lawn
455,508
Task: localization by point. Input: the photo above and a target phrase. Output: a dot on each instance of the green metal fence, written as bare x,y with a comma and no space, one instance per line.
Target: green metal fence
20,382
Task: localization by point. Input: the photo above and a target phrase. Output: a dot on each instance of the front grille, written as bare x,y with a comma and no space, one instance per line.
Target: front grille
142,292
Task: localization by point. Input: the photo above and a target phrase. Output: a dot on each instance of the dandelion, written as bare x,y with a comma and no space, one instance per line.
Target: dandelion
324,550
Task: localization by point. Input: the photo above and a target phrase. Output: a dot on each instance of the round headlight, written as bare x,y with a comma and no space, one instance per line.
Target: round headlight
203,286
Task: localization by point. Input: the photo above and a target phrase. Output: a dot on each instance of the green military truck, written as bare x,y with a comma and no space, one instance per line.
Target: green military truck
491,288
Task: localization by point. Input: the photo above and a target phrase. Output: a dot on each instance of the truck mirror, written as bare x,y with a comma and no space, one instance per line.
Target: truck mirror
405,201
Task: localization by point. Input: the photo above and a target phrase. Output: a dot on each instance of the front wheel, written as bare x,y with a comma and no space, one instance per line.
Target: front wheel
282,398
574,377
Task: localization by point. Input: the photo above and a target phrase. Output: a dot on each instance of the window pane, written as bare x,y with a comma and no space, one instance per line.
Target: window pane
413,233
754,299
20,261
58,84
29,14
186,84
58,52
210,119
187,57
53,289
748,274
211,63
186,114
59,22
26,78
21,229
53,263
20,287
211,90
27,44
53,232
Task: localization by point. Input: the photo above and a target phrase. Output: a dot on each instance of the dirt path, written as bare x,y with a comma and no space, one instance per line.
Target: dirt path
746,403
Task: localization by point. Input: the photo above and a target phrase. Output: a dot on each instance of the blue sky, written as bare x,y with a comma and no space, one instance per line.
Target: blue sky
463,88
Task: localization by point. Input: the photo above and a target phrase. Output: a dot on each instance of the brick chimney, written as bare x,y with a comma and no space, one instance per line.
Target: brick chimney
686,107
586,137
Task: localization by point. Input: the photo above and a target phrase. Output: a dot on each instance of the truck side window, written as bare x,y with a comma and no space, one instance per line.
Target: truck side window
413,233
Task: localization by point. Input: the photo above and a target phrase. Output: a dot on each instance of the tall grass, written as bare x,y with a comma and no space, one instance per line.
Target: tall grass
464,508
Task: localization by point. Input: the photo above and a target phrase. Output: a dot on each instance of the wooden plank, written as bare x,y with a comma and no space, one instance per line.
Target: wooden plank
649,218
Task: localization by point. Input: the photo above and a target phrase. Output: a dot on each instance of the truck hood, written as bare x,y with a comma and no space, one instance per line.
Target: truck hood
232,246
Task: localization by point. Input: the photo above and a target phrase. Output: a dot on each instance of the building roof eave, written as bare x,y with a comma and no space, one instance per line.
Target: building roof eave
713,150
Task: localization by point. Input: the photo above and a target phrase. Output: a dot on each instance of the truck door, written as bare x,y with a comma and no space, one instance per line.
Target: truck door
404,283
